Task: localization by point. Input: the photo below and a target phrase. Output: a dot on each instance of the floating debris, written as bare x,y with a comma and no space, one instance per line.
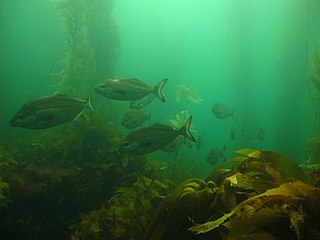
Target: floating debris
187,94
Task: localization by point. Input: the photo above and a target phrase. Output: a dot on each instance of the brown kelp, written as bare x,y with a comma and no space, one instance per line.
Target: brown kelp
126,215
264,194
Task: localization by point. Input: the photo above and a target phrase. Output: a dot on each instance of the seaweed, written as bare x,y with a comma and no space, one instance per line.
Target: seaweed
92,44
125,215
7,164
263,194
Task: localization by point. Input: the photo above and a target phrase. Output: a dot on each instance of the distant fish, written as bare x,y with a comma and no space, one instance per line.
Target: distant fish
200,141
174,145
134,118
220,111
129,89
143,102
152,138
49,111
215,155
261,135
233,134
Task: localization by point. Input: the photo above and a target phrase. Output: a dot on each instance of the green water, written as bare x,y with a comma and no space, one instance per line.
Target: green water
251,55
248,55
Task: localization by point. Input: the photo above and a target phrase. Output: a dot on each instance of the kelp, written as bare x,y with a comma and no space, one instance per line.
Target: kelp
264,194
315,61
293,201
192,201
92,44
313,147
7,164
126,215
70,168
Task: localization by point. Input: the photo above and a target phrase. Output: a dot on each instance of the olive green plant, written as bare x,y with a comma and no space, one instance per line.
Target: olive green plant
91,41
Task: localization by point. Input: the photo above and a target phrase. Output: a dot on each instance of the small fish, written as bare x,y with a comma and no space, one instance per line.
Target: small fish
129,89
200,141
152,138
134,118
49,111
220,111
261,135
215,155
143,102
174,145
233,134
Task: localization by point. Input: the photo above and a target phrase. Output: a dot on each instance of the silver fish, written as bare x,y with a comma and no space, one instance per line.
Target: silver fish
215,155
152,138
134,118
220,111
49,111
143,102
129,89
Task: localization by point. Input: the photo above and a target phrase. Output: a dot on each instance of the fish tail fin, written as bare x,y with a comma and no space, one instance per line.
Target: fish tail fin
88,103
157,89
185,130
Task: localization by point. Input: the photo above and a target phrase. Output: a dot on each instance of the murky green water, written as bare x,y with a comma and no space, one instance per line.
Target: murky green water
252,56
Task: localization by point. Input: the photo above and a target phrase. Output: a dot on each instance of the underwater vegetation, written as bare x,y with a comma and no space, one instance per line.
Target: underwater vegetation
315,80
72,182
126,215
315,61
6,163
92,44
49,183
264,195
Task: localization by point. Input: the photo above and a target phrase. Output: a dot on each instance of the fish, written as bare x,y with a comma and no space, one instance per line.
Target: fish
174,145
149,139
220,111
233,133
200,141
215,155
49,111
261,135
143,102
134,118
128,89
